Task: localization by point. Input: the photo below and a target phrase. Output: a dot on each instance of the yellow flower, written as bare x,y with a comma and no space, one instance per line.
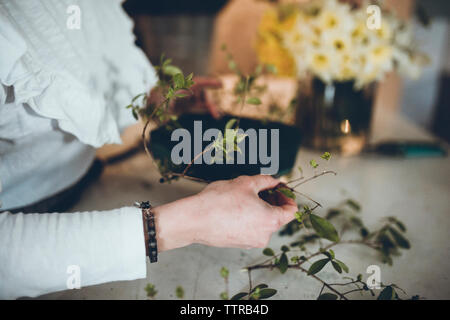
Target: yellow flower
269,45
270,51
288,22
269,22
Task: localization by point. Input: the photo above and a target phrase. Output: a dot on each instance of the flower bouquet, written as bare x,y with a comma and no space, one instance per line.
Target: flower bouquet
342,51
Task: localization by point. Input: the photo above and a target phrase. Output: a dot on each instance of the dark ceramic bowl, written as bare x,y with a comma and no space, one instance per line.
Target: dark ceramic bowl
289,143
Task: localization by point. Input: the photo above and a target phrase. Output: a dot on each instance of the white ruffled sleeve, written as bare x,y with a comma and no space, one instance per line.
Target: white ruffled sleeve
85,91
42,253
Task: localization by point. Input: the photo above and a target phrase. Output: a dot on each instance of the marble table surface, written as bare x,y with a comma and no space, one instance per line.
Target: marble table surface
417,191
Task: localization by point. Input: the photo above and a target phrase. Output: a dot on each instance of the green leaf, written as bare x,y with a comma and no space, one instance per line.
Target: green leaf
317,266
326,156
230,123
327,296
268,252
299,216
287,192
342,265
178,80
179,292
313,163
239,296
332,253
259,286
398,223
399,239
267,293
327,254
135,115
336,266
150,289
306,210
171,70
224,272
271,68
254,100
283,264
387,293
137,97
324,228
232,66
354,205
224,296
364,232
357,221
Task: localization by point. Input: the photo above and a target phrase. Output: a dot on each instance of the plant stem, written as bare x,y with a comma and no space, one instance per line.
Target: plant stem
250,283
181,175
314,177
307,197
324,283
209,147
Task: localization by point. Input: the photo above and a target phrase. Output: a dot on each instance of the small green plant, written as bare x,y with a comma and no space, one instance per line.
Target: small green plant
224,273
172,85
179,292
150,290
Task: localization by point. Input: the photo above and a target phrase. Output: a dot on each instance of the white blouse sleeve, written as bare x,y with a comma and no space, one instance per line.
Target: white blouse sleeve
83,79
42,253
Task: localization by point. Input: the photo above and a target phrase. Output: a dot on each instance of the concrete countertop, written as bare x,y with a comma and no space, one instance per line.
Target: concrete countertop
417,191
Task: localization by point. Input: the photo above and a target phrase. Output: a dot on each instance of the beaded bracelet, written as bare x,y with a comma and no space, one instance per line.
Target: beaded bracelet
149,217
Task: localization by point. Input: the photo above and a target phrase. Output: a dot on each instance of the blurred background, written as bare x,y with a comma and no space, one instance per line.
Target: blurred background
191,33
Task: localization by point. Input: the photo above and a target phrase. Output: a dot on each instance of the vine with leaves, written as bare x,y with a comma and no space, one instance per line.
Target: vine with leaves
388,240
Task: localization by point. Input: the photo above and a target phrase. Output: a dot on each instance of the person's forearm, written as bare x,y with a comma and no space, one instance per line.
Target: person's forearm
40,252
176,224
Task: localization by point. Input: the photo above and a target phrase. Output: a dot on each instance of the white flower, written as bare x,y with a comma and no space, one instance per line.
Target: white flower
322,63
334,15
331,41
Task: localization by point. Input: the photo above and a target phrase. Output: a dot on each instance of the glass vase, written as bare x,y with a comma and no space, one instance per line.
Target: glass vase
335,117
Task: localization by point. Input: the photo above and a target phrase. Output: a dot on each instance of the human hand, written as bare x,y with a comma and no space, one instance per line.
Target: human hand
225,214
198,100
195,99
